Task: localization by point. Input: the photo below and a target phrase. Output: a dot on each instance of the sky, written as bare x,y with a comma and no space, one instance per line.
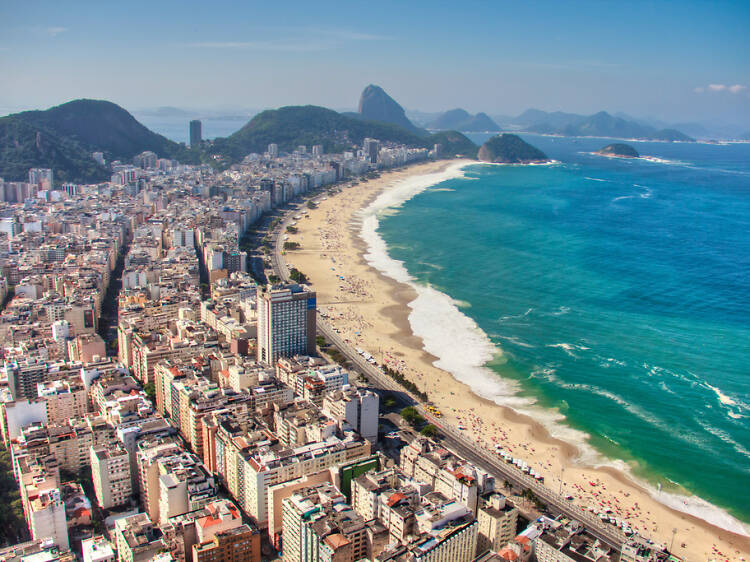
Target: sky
673,60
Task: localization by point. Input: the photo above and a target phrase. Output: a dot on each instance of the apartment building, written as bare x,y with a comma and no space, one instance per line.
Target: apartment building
497,520
240,544
64,398
110,472
137,539
286,322
358,409
97,549
42,503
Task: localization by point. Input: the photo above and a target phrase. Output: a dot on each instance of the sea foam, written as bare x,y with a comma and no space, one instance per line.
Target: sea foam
463,349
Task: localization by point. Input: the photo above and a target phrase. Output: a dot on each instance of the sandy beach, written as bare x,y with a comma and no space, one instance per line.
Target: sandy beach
371,311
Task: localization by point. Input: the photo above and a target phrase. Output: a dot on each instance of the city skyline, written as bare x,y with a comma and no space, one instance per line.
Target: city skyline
677,63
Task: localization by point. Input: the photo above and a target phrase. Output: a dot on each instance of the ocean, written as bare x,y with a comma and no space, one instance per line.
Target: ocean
610,298
177,128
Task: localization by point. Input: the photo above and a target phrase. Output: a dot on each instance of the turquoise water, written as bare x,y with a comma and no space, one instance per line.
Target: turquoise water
618,291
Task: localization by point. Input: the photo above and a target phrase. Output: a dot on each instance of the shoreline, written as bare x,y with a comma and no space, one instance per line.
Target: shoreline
375,311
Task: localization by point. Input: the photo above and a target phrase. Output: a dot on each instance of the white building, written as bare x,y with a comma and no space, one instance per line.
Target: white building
358,408
46,518
65,399
97,549
110,472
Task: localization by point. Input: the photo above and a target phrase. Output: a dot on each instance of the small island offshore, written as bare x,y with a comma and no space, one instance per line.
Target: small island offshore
510,149
618,150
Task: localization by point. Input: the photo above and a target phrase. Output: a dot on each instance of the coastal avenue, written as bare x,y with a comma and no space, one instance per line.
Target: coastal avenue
453,437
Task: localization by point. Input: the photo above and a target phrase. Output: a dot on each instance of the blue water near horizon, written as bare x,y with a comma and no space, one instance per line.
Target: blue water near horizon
177,128
618,291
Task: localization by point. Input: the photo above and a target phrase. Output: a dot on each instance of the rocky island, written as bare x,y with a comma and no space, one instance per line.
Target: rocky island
510,149
619,150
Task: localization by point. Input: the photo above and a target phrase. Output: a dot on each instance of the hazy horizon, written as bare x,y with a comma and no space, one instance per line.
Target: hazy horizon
676,63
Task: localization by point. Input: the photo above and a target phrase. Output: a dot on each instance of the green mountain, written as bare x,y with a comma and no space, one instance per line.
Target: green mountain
24,146
63,138
453,143
510,149
292,126
462,120
376,105
618,149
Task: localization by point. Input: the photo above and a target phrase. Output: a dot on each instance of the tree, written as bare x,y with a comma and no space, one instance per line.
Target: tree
311,205
150,391
12,523
412,416
429,430
389,402
291,229
297,276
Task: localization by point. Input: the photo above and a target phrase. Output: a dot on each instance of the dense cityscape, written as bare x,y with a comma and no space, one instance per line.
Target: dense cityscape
170,394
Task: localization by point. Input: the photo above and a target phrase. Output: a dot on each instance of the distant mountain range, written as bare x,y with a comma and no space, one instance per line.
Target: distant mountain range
600,124
292,126
462,120
64,137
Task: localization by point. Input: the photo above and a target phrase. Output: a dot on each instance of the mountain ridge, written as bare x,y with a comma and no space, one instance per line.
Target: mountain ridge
64,137
601,124
376,105
291,126
461,120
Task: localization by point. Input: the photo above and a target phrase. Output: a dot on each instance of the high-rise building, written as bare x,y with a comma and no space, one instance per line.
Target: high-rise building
317,150
110,472
41,177
497,519
273,150
286,322
358,408
196,133
23,377
42,503
371,148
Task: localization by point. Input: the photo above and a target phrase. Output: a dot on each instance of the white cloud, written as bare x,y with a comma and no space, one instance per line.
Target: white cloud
304,39
54,31
349,35
735,89
287,46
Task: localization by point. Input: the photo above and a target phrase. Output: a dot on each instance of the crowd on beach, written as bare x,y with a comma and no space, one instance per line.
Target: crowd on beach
343,313
334,237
